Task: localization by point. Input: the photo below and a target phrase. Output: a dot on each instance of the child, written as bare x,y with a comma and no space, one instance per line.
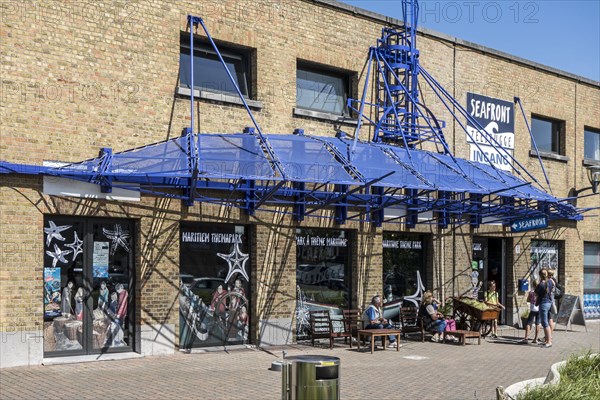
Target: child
491,297
533,315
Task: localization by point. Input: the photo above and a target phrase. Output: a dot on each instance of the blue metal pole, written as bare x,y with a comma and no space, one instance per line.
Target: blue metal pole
362,101
241,96
192,23
518,100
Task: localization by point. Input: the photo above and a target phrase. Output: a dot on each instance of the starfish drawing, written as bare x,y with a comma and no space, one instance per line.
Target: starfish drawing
58,255
302,313
236,260
76,246
119,238
53,232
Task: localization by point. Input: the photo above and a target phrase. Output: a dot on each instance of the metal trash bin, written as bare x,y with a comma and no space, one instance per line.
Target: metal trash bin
310,378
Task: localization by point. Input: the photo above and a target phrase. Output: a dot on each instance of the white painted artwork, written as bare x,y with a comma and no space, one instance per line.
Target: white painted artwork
58,255
236,261
53,232
76,247
119,237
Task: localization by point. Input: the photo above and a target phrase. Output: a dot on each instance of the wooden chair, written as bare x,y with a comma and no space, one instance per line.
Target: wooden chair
320,326
352,323
411,322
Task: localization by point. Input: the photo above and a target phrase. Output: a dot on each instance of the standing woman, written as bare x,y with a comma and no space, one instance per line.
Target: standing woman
545,292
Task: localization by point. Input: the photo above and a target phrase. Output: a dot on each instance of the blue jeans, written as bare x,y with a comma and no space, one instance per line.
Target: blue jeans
544,311
392,338
438,325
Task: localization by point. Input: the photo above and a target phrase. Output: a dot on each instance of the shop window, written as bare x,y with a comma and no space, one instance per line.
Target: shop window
88,285
591,280
403,264
548,135
591,144
209,73
214,306
322,90
544,255
322,275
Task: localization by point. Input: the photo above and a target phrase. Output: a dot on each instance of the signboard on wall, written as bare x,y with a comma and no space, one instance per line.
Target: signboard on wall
496,117
528,224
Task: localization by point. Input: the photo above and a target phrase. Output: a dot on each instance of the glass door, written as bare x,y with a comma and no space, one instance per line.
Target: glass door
111,278
63,285
87,282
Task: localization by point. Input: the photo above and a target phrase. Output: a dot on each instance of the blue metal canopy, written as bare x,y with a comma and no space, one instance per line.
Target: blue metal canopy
224,160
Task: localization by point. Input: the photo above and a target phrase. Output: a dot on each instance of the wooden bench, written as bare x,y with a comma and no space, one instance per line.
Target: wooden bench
374,333
464,335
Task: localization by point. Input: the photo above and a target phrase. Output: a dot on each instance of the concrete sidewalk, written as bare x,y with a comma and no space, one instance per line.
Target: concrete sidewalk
451,371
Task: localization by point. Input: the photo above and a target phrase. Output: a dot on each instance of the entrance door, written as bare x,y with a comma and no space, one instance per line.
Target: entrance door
490,259
88,284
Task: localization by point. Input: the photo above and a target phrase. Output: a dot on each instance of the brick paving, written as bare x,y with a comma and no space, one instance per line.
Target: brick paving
451,371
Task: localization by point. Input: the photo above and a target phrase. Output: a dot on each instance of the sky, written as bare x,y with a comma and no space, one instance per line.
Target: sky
563,34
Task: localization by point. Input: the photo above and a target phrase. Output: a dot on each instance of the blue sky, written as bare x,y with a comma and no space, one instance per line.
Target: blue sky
559,33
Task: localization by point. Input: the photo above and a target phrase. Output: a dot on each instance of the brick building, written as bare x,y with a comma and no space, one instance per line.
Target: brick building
151,274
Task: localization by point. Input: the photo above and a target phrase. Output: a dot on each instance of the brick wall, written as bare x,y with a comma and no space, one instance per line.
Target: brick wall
93,74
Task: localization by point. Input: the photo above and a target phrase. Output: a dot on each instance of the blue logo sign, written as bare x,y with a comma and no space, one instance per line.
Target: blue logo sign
528,224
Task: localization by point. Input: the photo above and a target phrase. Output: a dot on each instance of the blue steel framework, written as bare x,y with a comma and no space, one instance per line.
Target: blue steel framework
330,177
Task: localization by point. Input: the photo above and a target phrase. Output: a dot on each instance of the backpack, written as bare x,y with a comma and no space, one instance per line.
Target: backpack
558,291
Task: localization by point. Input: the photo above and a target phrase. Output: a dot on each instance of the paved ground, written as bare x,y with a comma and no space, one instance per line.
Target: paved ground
419,371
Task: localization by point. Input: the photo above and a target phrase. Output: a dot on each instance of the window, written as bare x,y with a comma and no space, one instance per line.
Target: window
322,90
591,146
209,74
214,310
403,264
547,134
323,274
591,280
544,255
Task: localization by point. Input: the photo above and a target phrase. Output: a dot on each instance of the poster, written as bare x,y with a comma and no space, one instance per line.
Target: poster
496,117
100,259
51,292
544,255
214,307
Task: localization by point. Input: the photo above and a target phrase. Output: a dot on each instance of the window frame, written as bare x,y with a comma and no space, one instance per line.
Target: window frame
591,269
558,129
244,56
589,129
348,78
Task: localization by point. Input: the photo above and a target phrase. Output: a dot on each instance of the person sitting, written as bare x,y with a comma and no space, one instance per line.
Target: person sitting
432,319
372,318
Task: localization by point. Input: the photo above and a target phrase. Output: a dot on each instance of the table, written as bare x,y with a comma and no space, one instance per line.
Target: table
374,333
464,335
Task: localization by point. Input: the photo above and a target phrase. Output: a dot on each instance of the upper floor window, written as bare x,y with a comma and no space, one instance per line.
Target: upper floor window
591,144
209,73
548,134
322,90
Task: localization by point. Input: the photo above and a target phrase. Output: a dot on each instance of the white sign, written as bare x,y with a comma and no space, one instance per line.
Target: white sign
495,143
